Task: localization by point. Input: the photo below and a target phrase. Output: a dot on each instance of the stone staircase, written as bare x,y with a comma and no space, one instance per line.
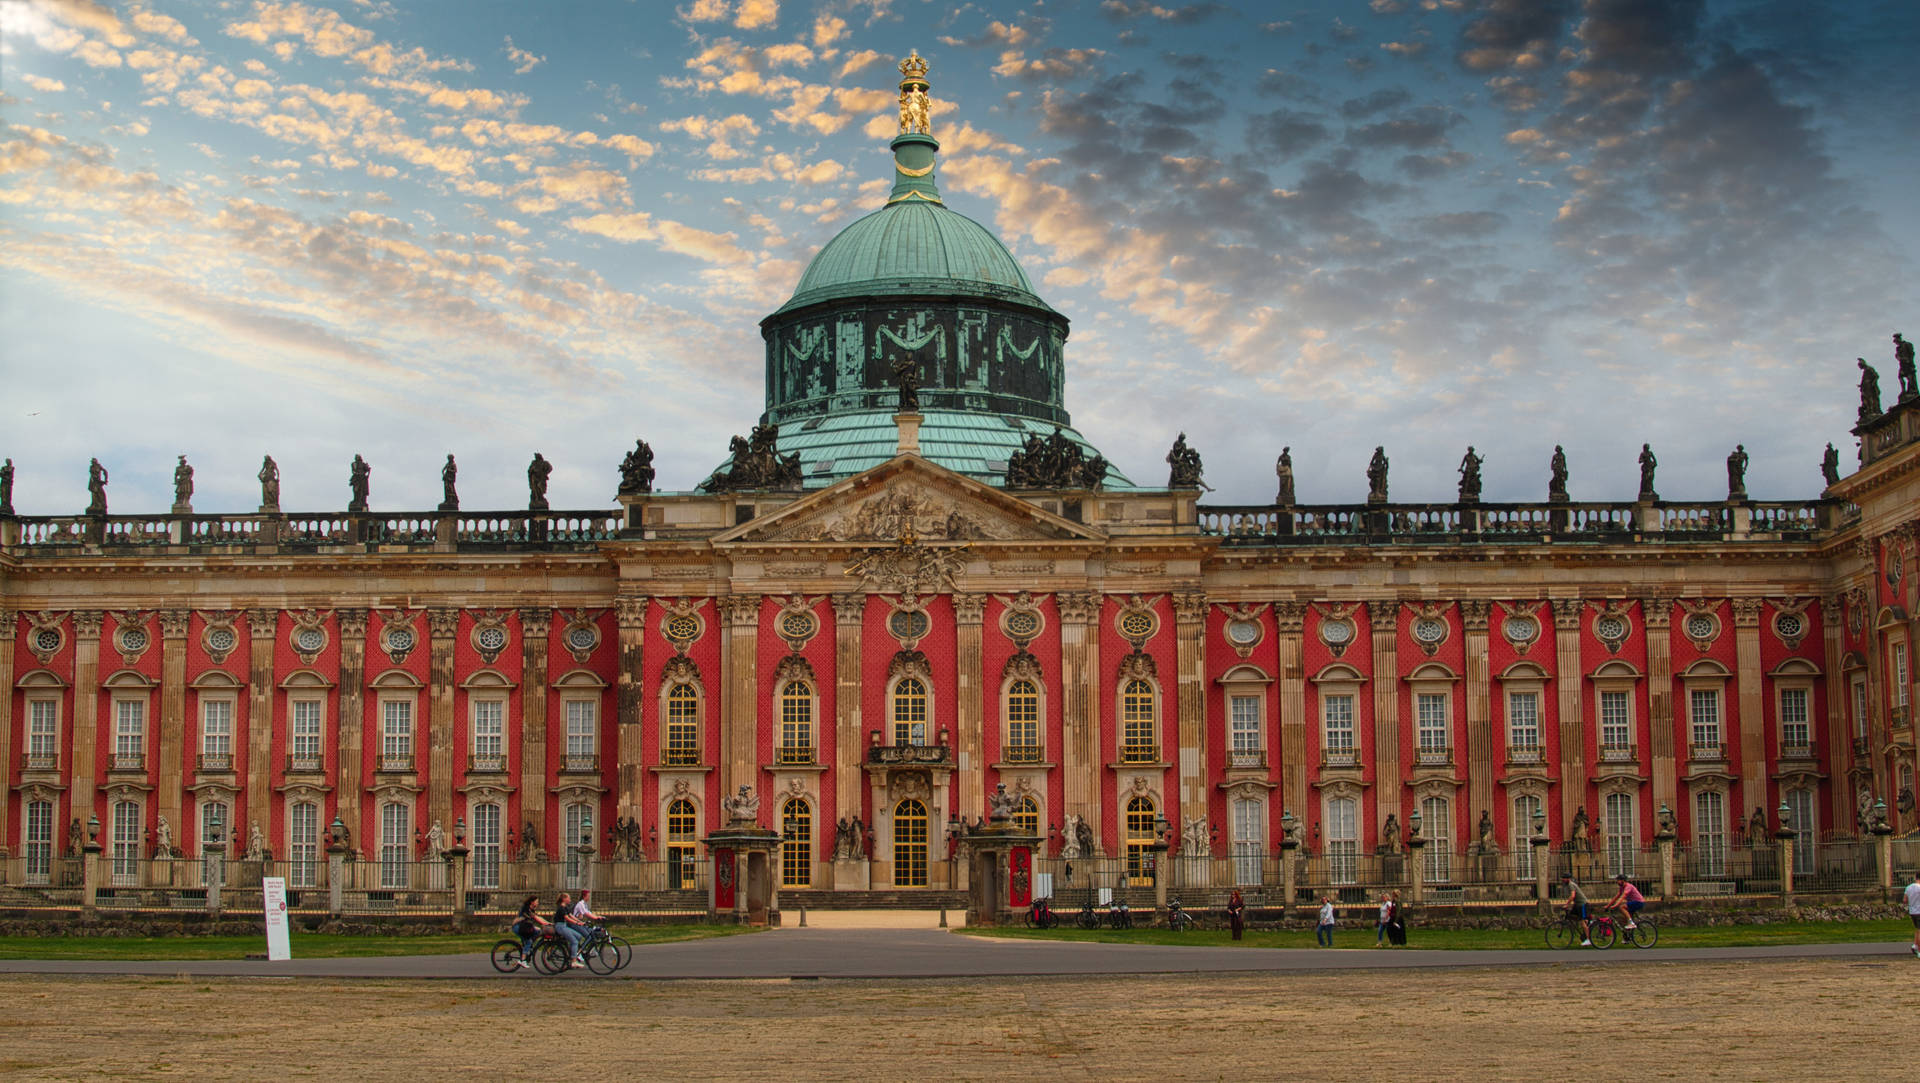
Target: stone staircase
792,899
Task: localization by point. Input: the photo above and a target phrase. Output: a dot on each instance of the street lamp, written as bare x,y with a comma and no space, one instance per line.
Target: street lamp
460,829
1539,823
1413,821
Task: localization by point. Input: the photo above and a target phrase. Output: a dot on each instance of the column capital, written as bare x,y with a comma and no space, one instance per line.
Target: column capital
1747,611
969,608
9,623
262,623
741,610
849,608
535,620
87,623
1077,607
1190,606
1567,613
1657,612
1290,617
443,622
1474,613
353,623
173,623
631,612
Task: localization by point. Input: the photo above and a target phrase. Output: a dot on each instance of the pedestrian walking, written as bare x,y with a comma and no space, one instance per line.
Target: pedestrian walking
1386,915
1236,913
1913,909
1323,933
1397,925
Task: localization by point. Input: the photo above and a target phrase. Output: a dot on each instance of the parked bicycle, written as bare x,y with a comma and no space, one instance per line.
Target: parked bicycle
1118,916
1177,917
1088,917
1603,931
1040,915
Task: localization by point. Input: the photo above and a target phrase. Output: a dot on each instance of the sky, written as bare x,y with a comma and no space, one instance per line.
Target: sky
404,230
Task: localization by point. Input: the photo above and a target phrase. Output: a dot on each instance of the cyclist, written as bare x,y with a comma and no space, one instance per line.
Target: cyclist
1626,899
583,913
1577,910
568,927
527,928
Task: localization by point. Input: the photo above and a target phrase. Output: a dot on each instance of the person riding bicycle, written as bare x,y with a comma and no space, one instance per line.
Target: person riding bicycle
1577,910
583,913
570,928
527,928
1626,899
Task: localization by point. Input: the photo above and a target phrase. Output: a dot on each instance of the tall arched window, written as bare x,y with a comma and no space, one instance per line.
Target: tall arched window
1343,840
396,844
1140,838
683,727
1026,816
909,712
1137,710
1023,723
909,843
682,830
1623,834
303,844
796,723
126,843
39,842
1249,820
1436,824
486,845
1709,833
1520,829
796,843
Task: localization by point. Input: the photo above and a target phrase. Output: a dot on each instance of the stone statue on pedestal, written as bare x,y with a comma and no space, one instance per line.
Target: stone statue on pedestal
1737,473
636,470
1184,464
269,484
1390,833
359,481
256,843
1869,392
1000,803
96,489
183,488
1577,832
1830,465
1070,838
1283,468
1903,367
1470,477
1377,476
162,839
1647,465
538,471
1757,827
1484,833
449,496
744,805
1557,474
1085,835
6,488
906,377
436,840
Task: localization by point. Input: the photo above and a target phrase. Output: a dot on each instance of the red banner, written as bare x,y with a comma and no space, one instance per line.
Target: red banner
723,879
1020,877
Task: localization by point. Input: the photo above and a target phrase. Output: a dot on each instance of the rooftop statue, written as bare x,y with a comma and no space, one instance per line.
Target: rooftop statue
1557,474
1470,477
756,464
449,497
1647,465
269,484
1903,367
1185,465
1283,469
359,477
183,487
538,471
636,470
6,488
915,108
906,377
1377,476
1830,465
96,489
1737,473
1054,462
1869,391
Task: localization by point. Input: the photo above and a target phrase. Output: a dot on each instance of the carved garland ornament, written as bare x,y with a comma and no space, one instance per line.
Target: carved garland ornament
1136,620
131,636
1021,618
1520,624
1430,627
398,636
797,622
218,636
581,634
1337,627
1701,624
489,636
308,636
1243,629
1790,620
46,634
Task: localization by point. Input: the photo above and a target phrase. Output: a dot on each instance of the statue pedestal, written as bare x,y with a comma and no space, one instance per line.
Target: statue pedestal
909,423
854,875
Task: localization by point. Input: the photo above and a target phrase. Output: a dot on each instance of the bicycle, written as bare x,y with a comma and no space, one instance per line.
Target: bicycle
1643,933
1040,915
603,952
508,953
1087,918
1118,916
1177,917
1602,931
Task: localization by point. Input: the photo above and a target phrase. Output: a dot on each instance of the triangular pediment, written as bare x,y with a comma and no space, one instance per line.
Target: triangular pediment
939,505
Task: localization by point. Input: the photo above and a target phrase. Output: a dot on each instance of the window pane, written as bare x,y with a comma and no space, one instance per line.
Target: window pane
1623,834
303,831
796,843
1023,722
489,729
582,724
1704,709
396,845
683,726
910,844
1137,723
1709,834
1343,840
39,842
909,712
1523,720
1436,824
1794,732
306,728
486,845
127,827
1337,712
1614,728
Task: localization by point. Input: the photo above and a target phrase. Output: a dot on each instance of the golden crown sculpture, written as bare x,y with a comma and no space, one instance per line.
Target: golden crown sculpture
913,68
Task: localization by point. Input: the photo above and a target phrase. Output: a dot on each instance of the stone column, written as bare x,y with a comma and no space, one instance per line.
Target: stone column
1288,875
970,783
1568,679
175,765
352,783
629,687
441,626
1753,727
1883,847
1080,761
262,624
1385,619
1190,653
9,623
86,711
1290,621
1665,841
1840,758
1541,860
1416,869
336,877
850,744
1784,837
90,877
535,622
739,690
457,878
1657,614
1473,616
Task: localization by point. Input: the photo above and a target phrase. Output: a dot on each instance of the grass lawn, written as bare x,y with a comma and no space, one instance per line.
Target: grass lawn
307,945
1353,936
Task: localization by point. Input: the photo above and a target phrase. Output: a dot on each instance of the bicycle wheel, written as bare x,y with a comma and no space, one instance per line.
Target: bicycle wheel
553,957
1562,935
1604,934
1034,921
602,958
1644,933
506,956
622,950
1089,920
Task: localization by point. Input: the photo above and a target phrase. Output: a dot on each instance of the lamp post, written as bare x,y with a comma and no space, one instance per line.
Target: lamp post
1784,835
1540,843
1162,839
1289,842
1416,875
1663,837
1883,844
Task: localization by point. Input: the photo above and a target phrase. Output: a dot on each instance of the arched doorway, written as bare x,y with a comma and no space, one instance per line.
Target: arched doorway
796,843
910,844
1140,839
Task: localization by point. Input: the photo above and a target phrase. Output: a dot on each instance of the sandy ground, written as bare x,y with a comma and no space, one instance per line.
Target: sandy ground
1815,1019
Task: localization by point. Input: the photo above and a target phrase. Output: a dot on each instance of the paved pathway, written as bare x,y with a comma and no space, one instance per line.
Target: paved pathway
927,953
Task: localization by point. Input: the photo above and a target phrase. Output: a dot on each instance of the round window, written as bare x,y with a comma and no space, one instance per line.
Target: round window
1701,626
1429,630
1022,624
1337,632
1610,628
1136,625
582,637
491,638
221,639
684,627
133,639
908,625
46,639
400,639
796,625
1244,632
309,639
1788,625
1521,629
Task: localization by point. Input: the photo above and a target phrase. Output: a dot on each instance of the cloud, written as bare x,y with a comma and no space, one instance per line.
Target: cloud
754,14
1053,64
1184,14
42,84
523,61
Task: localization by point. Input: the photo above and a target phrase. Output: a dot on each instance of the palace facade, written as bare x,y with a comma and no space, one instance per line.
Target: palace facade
914,583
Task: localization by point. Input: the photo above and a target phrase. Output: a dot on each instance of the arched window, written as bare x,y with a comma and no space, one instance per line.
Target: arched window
1023,723
1137,710
1520,830
303,844
1249,839
683,726
1436,816
796,843
126,843
909,712
682,830
909,843
39,842
486,845
396,844
1709,833
1800,818
1343,840
1140,838
1623,834
796,723
1026,816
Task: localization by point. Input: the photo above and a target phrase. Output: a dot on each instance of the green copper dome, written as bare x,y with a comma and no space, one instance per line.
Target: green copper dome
913,247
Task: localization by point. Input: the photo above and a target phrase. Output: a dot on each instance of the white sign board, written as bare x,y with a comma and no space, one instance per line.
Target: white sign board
1106,896
273,893
1043,885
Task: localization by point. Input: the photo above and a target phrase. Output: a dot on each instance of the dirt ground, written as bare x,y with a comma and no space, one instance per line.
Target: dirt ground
1816,1019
